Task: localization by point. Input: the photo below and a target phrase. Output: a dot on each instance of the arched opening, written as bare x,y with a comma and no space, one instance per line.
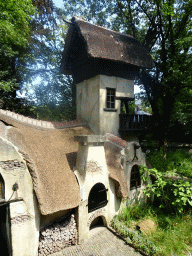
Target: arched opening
97,222
135,180
4,230
97,197
2,188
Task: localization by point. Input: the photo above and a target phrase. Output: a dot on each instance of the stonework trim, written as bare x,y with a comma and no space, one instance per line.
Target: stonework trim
40,123
20,219
95,215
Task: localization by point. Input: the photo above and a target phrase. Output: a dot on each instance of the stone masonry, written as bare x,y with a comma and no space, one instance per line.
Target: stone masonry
57,236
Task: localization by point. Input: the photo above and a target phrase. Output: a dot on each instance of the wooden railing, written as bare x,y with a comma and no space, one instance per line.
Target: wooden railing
134,122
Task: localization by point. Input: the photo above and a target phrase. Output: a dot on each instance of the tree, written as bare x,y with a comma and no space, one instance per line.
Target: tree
49,91
15,20
29,49
167,27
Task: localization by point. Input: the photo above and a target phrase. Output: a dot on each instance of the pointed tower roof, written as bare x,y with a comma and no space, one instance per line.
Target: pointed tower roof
101,51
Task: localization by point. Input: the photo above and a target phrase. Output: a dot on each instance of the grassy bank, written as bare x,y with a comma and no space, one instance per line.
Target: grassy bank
172,236
171,213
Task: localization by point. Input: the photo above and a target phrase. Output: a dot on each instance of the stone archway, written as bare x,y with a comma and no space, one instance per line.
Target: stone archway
97,222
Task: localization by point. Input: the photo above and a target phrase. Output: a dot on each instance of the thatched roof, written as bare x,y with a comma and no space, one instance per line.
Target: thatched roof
51,155
87,41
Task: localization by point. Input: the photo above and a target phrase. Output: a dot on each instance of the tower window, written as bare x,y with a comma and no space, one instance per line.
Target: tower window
110,100
135,177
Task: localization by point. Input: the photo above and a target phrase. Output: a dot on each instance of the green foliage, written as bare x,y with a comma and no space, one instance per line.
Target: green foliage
155,158
179,160
134,213
172,191
133,237
14,25
51,112
45,87
15,20
172,236
31,40
131,106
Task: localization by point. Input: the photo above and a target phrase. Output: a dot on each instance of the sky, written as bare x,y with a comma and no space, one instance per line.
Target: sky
58,3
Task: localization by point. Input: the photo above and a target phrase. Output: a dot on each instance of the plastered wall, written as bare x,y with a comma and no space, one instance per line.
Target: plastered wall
135,194
91,168
91,102
88,102
24,214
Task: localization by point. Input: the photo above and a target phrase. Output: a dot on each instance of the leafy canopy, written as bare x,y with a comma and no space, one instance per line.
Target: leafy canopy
15,20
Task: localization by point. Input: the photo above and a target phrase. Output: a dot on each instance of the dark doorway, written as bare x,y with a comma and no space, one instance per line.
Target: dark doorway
4,230
98,222
97,197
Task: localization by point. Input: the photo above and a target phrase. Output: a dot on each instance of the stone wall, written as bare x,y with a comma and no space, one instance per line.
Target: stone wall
12,165
58,236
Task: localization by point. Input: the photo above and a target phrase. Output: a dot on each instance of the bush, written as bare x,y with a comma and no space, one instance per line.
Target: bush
179,160
173,192
139,240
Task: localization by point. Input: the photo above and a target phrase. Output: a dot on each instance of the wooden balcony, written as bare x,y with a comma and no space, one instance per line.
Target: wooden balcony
134,122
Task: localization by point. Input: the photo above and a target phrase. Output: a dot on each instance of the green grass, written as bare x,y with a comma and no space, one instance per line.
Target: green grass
179,160
173,235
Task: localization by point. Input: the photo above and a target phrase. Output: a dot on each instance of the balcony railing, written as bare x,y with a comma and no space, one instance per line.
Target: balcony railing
134,122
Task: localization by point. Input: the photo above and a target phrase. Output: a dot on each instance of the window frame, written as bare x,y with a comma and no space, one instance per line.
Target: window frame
110,99
97,197
135,177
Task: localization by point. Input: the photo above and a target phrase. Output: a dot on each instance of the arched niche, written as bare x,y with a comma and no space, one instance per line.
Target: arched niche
97,197
135,180
97,222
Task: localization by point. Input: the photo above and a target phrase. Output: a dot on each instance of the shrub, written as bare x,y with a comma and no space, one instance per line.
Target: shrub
179,160
139,240
173,192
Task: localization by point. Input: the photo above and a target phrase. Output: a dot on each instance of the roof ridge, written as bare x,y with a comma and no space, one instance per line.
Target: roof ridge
110,30
40,123
117,140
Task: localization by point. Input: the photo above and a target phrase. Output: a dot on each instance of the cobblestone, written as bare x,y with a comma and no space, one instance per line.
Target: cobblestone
103,243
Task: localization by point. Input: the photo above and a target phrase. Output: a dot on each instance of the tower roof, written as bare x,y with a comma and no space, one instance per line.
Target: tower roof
88,44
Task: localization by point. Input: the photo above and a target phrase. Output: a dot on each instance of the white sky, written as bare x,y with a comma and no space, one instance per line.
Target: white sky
136,89
58,3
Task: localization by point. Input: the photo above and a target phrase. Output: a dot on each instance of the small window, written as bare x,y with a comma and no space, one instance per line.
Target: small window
110,100
135,177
